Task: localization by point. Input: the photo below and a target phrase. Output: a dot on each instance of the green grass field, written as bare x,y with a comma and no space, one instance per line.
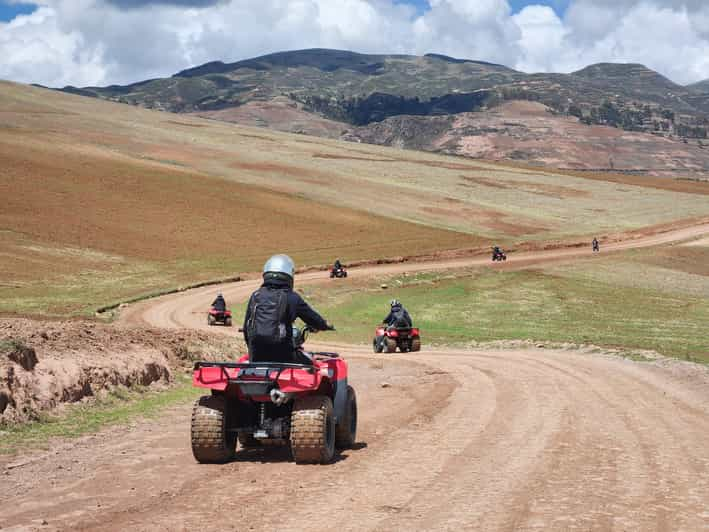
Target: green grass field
560,304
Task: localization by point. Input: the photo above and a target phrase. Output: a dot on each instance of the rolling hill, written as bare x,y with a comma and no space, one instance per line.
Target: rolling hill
701,87
389,99
368,88
103,202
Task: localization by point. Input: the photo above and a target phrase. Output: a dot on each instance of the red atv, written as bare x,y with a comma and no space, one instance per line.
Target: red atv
389,338
338,273
306,404
222,317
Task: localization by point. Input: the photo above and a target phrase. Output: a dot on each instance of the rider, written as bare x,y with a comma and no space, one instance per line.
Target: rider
398,315
337,266
272,309
595,244
219,304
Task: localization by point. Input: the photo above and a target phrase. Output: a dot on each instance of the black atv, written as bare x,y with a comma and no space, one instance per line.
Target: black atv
498,255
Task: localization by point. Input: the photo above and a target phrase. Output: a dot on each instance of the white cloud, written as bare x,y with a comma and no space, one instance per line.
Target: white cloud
542,39
35,49
85,42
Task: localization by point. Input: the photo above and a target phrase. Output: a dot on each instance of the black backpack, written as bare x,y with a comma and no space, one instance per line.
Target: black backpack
399,318
267,321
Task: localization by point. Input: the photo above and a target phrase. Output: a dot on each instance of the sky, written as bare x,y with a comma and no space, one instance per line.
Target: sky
101,42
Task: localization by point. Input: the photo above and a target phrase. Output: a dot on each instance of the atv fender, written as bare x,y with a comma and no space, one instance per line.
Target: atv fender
340,398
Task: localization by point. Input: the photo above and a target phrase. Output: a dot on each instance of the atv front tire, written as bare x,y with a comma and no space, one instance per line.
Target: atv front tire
377,345
390,345
312,432
346,430
416,344
211,440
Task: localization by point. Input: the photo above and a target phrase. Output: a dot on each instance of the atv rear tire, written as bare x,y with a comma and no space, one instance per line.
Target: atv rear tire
416,344
210,320
227,322
211,441
390,345
346,430
312,432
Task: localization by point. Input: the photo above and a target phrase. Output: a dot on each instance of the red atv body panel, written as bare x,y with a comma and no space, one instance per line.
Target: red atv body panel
288,380
394,333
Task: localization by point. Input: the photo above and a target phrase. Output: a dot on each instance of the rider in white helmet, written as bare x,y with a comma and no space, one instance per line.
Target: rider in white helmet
219,303
272,309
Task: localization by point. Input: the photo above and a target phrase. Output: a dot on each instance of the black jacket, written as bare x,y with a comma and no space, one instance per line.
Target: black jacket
219,304
391,317
296,308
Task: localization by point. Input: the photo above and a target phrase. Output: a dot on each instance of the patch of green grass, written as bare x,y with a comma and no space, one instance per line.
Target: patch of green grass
119,407
484,305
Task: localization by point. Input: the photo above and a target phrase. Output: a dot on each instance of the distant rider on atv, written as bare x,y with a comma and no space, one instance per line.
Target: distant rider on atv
595,244
272,309
337,266
219,304
398,318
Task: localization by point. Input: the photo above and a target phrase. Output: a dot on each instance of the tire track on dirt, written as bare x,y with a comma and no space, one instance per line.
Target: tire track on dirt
462,439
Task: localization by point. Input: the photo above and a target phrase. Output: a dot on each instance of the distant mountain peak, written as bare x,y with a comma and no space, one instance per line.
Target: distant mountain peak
615,70
321,58
700,86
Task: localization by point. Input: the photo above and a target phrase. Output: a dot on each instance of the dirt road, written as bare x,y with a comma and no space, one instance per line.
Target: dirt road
474,440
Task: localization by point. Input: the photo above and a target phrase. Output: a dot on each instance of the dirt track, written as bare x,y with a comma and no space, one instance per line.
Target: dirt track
526,439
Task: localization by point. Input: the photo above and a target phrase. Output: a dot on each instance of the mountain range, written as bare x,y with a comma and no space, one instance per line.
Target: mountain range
356,96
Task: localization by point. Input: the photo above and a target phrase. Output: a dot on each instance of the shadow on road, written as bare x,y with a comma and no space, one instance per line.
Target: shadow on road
266,455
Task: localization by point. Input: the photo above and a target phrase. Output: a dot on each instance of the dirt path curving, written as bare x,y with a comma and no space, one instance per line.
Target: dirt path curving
187,309
460,439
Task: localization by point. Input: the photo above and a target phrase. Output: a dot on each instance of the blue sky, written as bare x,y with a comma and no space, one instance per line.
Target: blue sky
9,11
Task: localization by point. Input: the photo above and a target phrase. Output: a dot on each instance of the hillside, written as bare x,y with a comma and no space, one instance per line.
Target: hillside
701,87
528,132
329,92
368,88
107,201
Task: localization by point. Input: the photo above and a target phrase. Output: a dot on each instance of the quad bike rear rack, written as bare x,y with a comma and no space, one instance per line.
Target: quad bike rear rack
267,367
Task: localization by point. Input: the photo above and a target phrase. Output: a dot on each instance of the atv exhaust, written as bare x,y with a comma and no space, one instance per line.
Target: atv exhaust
279,398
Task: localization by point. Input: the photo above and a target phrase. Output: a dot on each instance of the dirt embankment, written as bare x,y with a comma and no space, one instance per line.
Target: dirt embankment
44,365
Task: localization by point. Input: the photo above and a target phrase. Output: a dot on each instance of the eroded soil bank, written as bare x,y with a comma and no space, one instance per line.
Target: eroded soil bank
44,365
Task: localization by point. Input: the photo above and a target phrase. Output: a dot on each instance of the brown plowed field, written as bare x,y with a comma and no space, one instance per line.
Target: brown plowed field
449,439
